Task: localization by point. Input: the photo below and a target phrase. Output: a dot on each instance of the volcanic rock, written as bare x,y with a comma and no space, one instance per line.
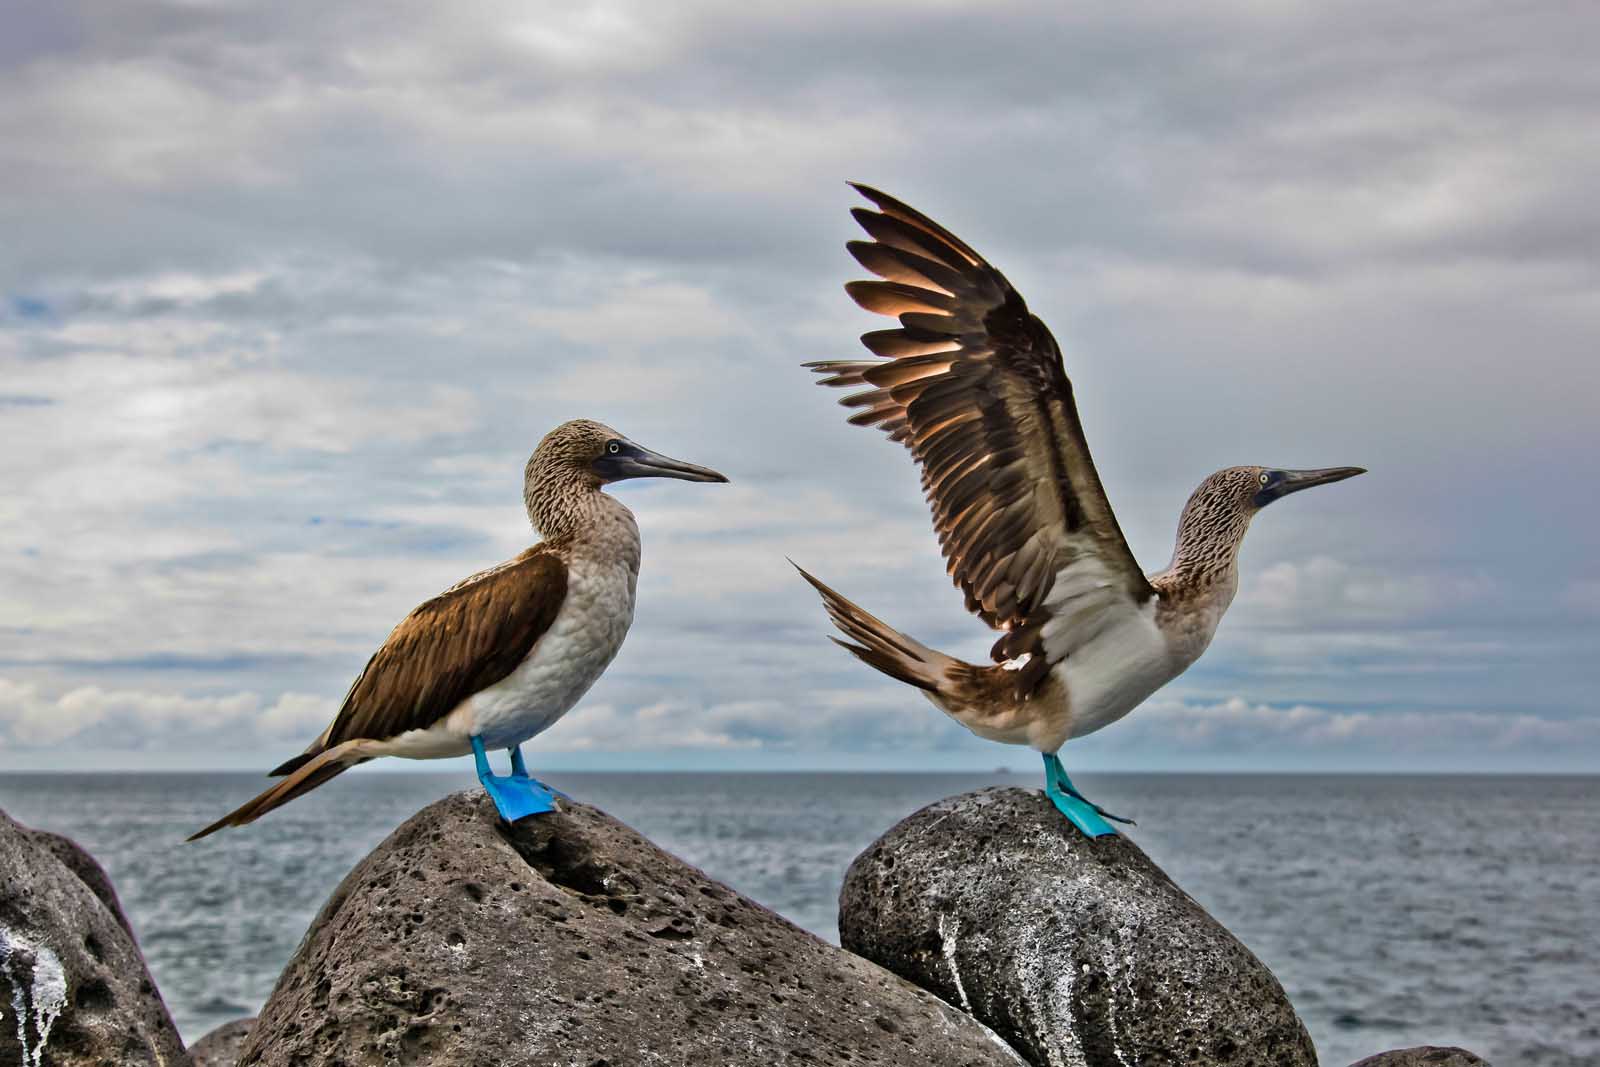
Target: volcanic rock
1077,952
74,991
220,1047
88,870
570,939
1424,1056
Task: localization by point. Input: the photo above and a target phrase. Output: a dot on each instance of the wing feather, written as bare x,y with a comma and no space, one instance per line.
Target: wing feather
973,384
452,646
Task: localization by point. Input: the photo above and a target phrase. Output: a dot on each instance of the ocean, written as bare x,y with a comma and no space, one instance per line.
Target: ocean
1396,910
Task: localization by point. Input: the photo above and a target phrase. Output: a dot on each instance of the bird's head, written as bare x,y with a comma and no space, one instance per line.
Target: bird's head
1219,511
591,453
1240,492
1266,484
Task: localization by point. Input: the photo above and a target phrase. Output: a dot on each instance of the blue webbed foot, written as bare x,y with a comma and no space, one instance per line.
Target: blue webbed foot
516,796
1088,817
519,769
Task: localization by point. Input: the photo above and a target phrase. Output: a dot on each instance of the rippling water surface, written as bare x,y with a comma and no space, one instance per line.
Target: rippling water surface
1396,910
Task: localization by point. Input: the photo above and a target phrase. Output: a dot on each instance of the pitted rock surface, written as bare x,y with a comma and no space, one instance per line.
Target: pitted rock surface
88,870
1424,1056
74,991
220,1047
569,939
1078,952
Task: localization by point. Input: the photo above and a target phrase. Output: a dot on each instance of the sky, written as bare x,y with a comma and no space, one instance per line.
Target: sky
289,291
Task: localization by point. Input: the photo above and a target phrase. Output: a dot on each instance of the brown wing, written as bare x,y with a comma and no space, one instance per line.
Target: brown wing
973,385
463,640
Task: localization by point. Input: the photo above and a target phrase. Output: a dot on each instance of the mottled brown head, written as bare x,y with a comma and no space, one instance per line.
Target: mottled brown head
1219,511
578,457
1247,490
566,454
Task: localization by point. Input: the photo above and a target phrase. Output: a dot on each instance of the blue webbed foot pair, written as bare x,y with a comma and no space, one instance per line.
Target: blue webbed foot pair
1086,816
518,795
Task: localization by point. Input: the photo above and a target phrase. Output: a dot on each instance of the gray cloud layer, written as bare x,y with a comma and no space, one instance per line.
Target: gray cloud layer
289,291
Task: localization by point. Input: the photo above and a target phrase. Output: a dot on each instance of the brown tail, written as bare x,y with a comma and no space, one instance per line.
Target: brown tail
880,645
306,777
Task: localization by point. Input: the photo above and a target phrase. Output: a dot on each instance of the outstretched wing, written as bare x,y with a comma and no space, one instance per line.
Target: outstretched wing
973,385
462,641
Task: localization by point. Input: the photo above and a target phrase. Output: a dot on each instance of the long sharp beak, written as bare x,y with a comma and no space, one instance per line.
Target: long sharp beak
1286,482
636,461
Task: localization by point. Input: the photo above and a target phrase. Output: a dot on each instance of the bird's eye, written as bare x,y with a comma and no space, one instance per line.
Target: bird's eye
1265,477
616,446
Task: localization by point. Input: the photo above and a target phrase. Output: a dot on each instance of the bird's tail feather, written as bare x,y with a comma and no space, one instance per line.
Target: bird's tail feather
304,778
879,645
313,750
292,764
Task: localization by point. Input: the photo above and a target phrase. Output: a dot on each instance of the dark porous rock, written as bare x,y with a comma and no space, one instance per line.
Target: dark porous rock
221,1047
88,870
1424,1056
74,991
1076,951
569,939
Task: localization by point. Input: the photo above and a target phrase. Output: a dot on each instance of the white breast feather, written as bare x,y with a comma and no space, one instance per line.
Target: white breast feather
566,660
1124,663
1109,652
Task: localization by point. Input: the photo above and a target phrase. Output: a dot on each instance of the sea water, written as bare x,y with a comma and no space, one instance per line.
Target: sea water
1396,910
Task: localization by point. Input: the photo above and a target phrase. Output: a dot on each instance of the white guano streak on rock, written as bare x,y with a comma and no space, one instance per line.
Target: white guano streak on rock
1042,1009
47,995
1033,976
1121,980
948,932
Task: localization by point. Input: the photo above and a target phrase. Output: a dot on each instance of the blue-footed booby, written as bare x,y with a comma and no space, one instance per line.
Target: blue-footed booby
974,386
504,654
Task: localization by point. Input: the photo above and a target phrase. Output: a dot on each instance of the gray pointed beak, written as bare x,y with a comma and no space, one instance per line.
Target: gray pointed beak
636,461
1282,483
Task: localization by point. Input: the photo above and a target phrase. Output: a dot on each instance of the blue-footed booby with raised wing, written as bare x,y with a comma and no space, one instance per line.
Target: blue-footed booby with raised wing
504,654
975,387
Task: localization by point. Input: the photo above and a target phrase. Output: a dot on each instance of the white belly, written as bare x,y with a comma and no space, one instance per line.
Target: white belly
566,660
1114,673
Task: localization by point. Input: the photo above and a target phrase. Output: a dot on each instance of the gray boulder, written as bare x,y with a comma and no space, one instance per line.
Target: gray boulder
88,870
1078,953
221,1047
74,991
1424,1056
570,939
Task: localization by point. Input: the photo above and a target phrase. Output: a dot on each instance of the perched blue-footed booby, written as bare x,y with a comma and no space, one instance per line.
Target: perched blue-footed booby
974,386
504,654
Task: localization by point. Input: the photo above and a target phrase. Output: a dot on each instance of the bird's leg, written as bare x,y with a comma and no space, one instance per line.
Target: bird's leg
514,797
519,769
1070,790
1088,817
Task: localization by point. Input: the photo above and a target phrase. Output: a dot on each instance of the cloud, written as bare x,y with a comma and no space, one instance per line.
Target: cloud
131,720
663,726
281,316
1584,597
31,719
1237,725
1323,592
873,726
296,715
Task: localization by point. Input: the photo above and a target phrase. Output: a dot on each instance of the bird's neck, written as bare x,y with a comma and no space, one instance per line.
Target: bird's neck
591,522
1199,583
1205,557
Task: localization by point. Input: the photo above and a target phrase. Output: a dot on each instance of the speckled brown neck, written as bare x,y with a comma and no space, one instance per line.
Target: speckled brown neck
1205,557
